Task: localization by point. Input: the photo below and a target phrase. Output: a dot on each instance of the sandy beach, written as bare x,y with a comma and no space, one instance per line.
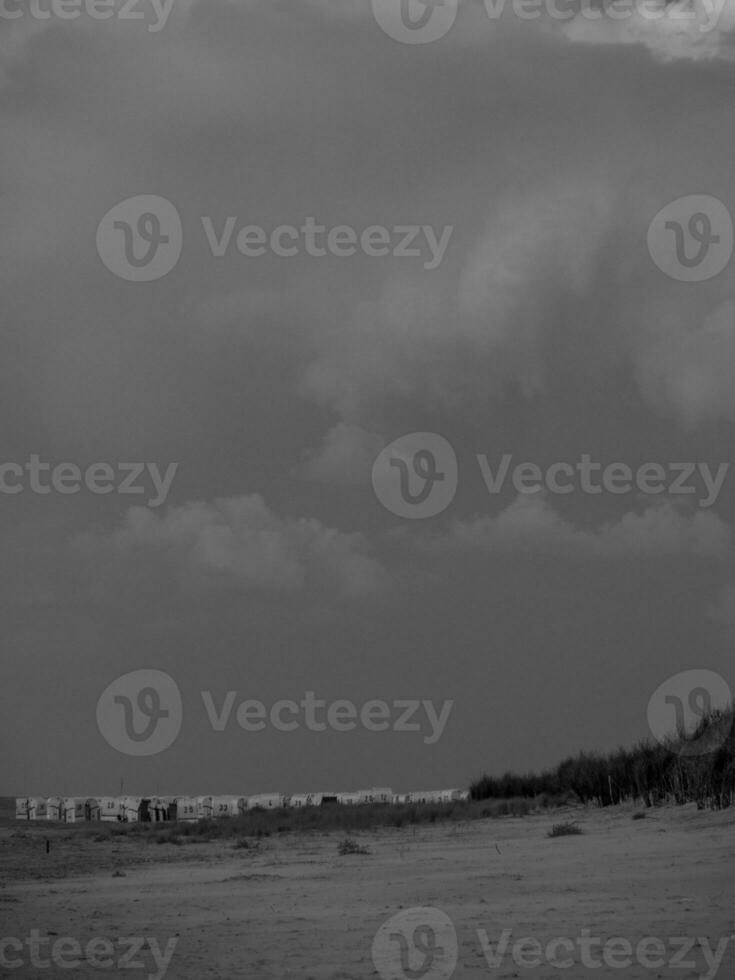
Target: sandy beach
292,906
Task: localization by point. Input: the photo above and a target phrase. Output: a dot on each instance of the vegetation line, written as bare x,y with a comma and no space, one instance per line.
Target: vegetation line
695,767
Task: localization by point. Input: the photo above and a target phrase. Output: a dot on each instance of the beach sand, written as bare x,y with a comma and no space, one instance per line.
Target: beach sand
291,906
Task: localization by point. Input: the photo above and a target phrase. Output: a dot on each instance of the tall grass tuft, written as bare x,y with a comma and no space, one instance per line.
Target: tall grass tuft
565,830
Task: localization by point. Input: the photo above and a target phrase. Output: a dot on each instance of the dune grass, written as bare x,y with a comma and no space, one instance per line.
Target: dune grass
695,767
568,829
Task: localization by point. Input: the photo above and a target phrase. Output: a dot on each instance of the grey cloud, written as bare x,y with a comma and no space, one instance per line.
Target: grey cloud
240,544
530,525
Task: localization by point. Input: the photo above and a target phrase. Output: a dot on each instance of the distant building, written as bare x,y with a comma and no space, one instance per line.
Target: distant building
160,808
425,796
132,809
111,809
135,809
454,795
55,808
438,796
310,799
380,794
226,806
204,807
30,808
266,801
187,808
92,809
349,799
74,809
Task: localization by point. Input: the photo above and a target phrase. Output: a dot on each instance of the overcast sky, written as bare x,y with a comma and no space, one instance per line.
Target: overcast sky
545,330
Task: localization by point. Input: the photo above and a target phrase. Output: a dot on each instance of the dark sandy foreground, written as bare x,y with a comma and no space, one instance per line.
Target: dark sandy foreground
293,907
